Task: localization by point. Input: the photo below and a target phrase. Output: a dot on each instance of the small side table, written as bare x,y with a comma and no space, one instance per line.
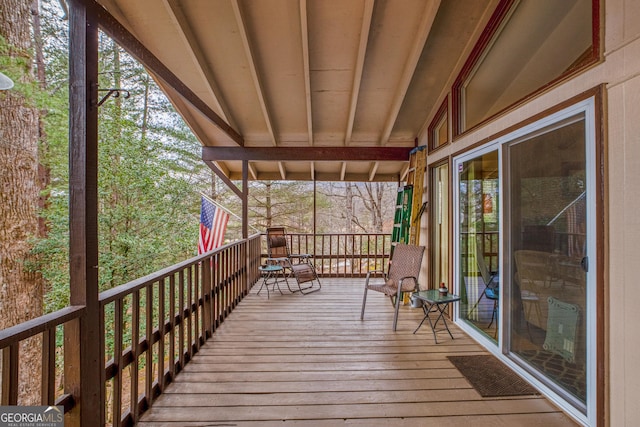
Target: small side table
270,275
433,302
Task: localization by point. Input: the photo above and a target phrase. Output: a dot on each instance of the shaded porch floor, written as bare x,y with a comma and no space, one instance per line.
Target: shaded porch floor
308,360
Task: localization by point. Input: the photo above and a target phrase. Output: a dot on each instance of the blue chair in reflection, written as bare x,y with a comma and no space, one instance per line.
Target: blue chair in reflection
491,290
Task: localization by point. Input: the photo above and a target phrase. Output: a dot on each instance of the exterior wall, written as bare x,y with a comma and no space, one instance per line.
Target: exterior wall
620,73
623,91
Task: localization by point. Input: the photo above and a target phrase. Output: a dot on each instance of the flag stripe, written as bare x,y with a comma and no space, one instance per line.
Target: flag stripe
213,225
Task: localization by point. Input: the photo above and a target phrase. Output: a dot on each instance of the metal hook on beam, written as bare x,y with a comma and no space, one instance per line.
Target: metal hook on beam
113,92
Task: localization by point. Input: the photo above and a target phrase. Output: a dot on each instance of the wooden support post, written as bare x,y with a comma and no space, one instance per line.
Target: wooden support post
84,363
245,199
245,221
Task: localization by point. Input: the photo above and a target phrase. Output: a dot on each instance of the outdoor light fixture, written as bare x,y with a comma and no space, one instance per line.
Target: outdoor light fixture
5,82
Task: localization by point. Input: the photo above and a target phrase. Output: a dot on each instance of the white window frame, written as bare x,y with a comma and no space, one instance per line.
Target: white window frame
587,108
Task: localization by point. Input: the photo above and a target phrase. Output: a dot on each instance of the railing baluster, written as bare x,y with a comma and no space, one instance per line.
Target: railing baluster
181,318
117,358
198,305
48,383
135,345
172,327
149,339
10,375
161,324
206,299
190,299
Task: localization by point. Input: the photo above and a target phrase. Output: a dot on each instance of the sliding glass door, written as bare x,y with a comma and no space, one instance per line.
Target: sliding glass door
525,252
548,243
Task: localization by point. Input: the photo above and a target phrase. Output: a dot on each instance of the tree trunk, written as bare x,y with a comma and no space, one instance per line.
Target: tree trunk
350,215
268,213
21,290
44,172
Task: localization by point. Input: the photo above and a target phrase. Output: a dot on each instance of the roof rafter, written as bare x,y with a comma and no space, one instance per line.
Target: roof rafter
426,24
373,170
304,32
252,171
343,171
195,50
214,167
254,70
357,74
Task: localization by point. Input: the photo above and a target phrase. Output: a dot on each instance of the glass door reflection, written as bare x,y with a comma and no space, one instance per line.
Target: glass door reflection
479,237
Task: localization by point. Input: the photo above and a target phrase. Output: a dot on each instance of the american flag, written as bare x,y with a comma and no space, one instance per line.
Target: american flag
213,225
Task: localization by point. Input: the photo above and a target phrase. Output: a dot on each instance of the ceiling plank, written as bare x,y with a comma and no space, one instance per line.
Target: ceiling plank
280,154
254,70
195,50
304,32
357,75
410,66
135,48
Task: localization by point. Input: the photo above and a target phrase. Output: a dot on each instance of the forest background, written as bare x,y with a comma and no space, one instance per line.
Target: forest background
150,172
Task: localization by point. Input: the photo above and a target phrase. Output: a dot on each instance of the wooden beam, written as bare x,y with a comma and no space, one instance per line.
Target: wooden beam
224,178
343,171
365,154
252,171
110,25
357,75
245,199
283,171
84,360
426,24
322,176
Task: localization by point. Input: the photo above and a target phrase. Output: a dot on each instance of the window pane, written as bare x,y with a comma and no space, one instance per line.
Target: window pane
548,243
536,43
479,242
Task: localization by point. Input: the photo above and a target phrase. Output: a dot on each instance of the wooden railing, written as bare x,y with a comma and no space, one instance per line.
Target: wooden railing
342,254
45,328
152,327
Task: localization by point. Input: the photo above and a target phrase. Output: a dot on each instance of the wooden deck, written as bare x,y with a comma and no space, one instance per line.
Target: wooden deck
308,360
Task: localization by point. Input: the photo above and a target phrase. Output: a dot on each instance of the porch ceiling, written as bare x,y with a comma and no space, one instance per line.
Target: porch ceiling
306,73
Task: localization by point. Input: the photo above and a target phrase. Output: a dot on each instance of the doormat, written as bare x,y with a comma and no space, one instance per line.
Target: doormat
490,377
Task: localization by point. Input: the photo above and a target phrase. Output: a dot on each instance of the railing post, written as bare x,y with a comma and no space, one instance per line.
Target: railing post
84,363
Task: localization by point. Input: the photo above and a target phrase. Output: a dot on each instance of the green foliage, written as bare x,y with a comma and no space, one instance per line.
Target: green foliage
149,172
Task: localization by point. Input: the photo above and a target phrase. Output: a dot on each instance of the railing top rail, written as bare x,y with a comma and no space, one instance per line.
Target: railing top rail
112,294
38,325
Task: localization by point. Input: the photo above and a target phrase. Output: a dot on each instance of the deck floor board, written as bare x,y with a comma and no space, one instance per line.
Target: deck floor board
308,360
